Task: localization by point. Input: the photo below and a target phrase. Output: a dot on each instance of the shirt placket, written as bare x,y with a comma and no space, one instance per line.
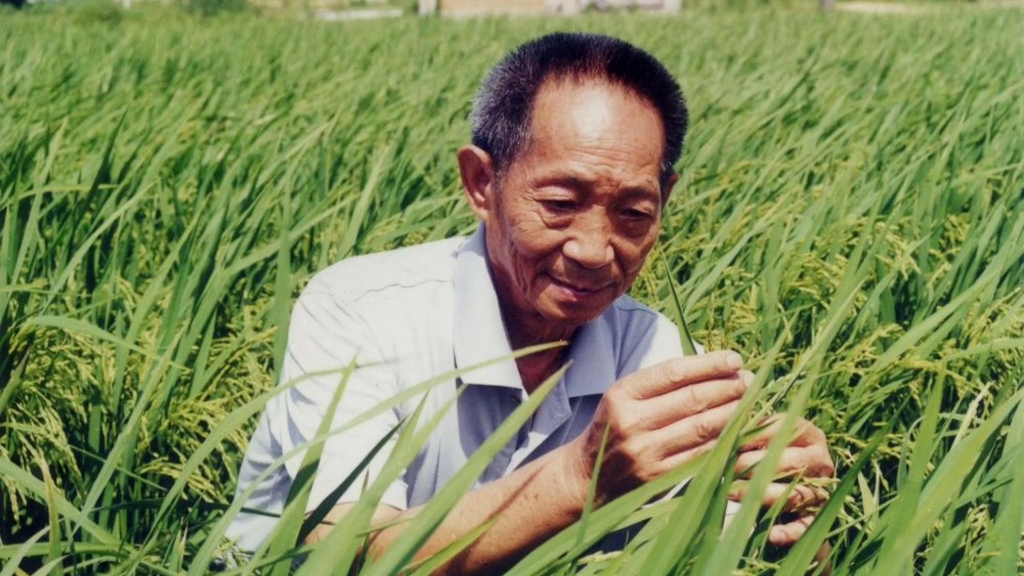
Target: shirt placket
553,412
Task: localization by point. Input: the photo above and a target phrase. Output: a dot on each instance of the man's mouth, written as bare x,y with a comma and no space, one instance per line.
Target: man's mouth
578,288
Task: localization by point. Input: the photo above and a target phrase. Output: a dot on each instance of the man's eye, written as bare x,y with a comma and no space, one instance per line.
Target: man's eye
634,214
559,206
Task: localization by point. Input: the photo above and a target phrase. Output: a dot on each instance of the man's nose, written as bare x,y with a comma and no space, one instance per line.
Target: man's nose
590,243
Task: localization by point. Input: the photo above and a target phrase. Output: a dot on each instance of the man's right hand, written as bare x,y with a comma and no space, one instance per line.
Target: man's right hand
659,418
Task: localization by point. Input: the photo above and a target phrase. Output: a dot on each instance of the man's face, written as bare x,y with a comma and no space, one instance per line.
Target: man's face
575,215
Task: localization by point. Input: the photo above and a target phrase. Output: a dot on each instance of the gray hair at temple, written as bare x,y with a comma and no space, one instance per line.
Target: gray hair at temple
502,110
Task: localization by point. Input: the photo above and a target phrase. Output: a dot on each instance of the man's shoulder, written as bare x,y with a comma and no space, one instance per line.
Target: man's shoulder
635,320
628,309
406,268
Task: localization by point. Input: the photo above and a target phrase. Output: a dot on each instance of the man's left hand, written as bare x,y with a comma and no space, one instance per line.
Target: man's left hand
805,459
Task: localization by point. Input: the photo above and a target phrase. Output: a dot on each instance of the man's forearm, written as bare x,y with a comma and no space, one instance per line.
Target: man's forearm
528,506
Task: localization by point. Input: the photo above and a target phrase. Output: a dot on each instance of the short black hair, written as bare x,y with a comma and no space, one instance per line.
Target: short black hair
503,107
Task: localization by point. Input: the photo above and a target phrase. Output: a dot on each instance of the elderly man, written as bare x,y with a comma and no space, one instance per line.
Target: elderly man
574,141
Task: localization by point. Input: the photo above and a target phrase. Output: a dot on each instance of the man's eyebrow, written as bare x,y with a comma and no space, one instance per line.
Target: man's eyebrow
568,180
643,193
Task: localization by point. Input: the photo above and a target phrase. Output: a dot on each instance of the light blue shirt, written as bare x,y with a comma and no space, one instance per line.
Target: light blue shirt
409,315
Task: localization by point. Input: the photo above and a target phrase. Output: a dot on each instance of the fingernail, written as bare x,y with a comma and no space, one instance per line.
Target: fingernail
734,361
748,379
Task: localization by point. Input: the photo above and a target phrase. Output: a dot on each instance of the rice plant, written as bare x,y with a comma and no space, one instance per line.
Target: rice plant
849,217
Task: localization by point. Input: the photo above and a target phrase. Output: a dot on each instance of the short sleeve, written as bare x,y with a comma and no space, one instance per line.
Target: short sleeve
325,336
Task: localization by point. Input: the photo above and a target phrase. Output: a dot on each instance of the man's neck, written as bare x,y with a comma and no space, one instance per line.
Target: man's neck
529,328
536,368
524,332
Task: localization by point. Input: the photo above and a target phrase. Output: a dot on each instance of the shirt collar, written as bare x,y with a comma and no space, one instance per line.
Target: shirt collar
480,334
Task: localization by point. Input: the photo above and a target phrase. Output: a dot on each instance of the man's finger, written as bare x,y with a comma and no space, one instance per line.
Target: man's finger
798,497
787,534
672,374
808,462
804,434
694,431
694,399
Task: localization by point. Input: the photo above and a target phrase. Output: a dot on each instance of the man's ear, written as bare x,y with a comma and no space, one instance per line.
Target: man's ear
667,190
478,180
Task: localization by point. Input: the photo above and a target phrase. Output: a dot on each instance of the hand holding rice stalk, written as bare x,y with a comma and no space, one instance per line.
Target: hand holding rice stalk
806,458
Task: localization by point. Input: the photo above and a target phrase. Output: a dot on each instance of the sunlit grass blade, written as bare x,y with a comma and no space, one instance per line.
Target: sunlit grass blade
14,554
940,490
677,307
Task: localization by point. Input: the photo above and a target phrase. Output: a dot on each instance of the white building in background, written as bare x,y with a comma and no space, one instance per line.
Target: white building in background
479,7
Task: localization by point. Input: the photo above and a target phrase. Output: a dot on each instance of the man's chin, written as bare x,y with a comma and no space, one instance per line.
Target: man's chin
575,314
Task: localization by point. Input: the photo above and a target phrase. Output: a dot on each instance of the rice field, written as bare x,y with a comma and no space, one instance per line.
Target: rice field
850,217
